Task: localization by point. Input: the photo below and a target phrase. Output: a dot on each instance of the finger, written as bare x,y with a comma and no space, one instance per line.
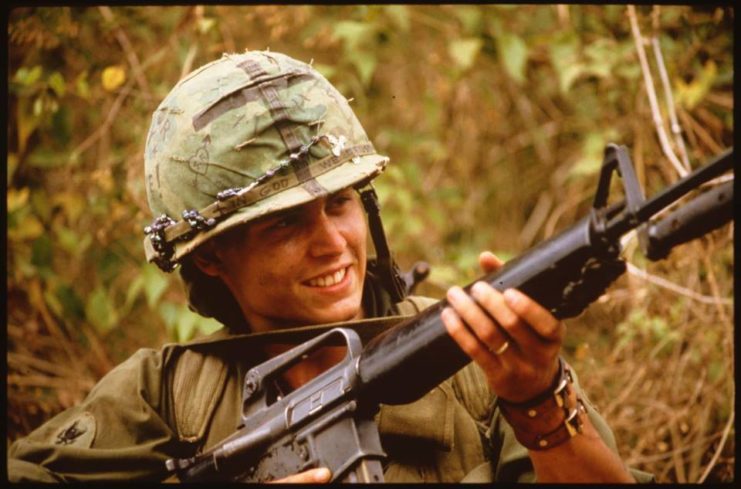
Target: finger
489,262
322,474
481,324
539,318
467,342
525,336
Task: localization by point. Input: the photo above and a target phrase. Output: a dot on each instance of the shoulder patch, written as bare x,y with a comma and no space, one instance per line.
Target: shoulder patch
79,432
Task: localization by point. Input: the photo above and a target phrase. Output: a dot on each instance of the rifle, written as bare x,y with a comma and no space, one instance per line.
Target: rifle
329,420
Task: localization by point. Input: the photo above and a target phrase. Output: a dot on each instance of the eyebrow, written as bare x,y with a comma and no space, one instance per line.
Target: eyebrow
292,210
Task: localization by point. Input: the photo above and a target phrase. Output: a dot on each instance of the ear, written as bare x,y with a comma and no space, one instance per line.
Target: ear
207,259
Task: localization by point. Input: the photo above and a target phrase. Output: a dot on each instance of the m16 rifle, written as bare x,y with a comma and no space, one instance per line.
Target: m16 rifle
328,421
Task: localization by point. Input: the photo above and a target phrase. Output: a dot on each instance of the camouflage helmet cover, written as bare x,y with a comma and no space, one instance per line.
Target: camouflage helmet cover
242,137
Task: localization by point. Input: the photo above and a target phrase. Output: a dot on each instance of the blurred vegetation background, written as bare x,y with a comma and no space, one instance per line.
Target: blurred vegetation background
495,118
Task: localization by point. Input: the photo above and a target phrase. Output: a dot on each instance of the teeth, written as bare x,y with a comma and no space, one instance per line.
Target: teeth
328,280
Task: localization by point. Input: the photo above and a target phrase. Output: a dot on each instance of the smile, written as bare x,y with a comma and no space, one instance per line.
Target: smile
329,279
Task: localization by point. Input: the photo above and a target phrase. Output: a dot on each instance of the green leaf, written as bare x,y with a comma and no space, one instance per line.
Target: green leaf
593,149
353,34
17,198
399,15
71,203
45,158
71,303
365,63
82,87
464,51
71,242
690,94
470,17
135,288
99,310
186,324
155,284
564,57
41,252
12,166
56,82
514,53
26,229
207,326
327,71
26,76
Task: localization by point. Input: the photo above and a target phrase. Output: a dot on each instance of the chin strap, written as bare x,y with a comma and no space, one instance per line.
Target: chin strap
397,284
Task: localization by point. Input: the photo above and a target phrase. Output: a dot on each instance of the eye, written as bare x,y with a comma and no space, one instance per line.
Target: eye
340,199
284,222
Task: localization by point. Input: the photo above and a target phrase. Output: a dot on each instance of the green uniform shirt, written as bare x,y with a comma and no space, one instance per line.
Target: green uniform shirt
180,399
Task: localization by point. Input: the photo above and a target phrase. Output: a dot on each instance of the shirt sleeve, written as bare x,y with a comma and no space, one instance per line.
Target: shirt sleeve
117,433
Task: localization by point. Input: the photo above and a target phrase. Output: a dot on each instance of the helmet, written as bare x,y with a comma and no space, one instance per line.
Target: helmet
245,136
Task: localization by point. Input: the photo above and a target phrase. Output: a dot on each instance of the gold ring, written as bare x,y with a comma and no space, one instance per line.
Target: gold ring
501,349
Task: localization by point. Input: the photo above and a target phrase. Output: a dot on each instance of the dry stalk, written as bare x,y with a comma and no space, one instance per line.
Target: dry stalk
714,460
650,91
647,459
21,362
626,392
189,58
666,284
674,123
699,132
51,324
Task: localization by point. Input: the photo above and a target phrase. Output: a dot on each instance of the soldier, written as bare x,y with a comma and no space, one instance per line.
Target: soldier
255,164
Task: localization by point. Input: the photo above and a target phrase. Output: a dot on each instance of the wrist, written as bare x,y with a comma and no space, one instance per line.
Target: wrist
549,419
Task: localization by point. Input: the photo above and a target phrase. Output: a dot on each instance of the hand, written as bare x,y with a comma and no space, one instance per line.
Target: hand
312,476
483,322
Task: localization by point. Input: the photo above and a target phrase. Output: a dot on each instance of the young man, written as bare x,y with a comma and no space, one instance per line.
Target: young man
254,165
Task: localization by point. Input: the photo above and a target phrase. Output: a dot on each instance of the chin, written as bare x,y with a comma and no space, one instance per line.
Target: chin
340,313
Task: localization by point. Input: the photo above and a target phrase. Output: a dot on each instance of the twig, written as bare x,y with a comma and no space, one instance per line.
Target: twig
700,131
648,80
133,59
188,63
536,219
98,133
674,123
638,460
722,443
633,270
636,378
51,325
52,382
19,360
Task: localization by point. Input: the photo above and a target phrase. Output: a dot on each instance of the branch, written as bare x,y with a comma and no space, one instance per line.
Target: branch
123,40
92,138
722,444
674,123
657,119
661,282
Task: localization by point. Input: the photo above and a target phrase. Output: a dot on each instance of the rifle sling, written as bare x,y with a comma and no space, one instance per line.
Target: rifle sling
366,329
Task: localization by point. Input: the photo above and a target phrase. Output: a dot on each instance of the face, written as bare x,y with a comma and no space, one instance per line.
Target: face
302,266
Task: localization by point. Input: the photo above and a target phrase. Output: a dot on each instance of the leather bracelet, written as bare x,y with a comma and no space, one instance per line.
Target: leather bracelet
549,419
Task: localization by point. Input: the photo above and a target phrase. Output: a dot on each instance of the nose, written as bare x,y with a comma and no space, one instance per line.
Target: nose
327,239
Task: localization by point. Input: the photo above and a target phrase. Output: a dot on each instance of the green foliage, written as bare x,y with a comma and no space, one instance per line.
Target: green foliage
488,112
